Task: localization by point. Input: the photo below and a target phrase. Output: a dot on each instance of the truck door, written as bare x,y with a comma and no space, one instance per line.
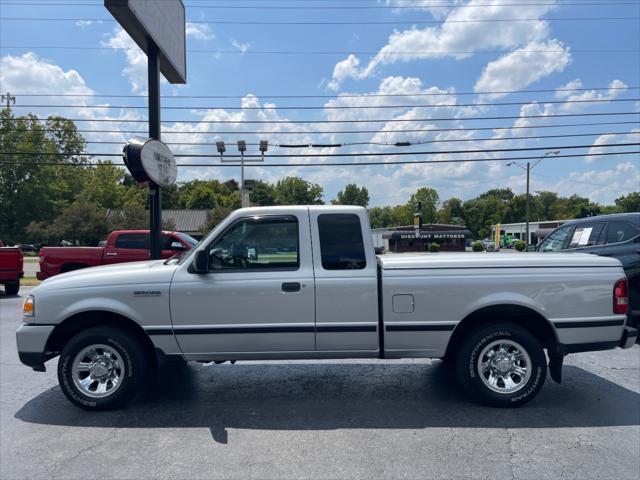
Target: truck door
346,282
128,247
258,296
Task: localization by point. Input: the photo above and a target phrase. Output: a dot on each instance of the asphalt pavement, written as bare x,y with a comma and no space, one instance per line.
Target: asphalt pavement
321,419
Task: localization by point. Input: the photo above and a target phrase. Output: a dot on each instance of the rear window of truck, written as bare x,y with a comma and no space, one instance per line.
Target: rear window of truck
341,244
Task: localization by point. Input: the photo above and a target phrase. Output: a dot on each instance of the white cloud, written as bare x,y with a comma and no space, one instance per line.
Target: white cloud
348,68
242,47
632,137
458,34
199,31
520,68
87,23
136,69
616,88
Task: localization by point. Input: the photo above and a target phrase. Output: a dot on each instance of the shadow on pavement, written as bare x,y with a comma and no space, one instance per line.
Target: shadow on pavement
307,396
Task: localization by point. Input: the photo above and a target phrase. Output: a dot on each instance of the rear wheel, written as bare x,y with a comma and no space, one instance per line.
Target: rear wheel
102,368
12,288
502,365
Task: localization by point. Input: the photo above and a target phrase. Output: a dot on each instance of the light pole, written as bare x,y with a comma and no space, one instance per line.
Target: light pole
242,147
528,169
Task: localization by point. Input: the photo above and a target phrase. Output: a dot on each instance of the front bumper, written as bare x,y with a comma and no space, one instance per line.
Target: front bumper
32,342
629,336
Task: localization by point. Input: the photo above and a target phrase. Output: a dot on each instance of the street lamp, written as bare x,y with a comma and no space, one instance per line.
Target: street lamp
528,169
221,148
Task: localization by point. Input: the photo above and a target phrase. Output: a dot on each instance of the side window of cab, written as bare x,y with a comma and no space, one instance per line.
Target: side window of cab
556,240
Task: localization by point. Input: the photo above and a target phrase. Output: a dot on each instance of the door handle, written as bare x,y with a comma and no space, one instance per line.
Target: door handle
111,254
291,287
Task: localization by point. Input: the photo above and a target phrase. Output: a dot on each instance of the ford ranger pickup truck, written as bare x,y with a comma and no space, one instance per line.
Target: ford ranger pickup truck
304,283
121,246
11,268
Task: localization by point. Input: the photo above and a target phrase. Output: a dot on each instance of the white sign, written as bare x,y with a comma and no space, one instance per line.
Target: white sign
159,163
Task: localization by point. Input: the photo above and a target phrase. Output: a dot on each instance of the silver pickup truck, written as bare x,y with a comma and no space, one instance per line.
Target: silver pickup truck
304,283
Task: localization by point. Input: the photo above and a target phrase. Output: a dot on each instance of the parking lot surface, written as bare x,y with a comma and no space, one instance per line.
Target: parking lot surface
321,419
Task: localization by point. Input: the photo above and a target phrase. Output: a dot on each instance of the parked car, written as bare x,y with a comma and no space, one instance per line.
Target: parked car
11,268
616,236
488,245
28,247
121,246
303,282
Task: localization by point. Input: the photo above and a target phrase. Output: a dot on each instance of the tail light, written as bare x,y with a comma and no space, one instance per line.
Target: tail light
621,296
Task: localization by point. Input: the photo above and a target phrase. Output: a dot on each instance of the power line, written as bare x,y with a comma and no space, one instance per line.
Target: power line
358,154
332,23
334,107
392,144
332,164
338,95
377,120
301,132
435,53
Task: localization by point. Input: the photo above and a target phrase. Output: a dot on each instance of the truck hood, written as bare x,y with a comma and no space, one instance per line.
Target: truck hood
139,273
494,260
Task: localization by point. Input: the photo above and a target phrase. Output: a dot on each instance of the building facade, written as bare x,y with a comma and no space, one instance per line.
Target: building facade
451,238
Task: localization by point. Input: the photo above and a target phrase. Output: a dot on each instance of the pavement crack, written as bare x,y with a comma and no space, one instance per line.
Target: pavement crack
53,469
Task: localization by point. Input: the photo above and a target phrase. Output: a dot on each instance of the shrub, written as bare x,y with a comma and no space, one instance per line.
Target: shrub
520,246
434,247
477,246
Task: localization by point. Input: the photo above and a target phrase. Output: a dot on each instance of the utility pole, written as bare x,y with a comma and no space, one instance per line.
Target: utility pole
155,194
9,99
528,169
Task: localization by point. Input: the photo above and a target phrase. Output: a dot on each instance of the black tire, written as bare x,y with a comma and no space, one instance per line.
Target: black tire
12,288
468,369
133,377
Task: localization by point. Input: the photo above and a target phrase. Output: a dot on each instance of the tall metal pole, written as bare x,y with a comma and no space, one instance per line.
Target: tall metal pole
243,198
155,196
527,204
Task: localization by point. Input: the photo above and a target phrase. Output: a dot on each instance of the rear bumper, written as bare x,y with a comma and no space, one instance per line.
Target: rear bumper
42,275
32,342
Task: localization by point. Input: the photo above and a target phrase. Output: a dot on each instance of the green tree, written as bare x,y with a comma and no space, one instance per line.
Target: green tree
451,212
629,203
31,189
263,194
428,199
352,195
296,191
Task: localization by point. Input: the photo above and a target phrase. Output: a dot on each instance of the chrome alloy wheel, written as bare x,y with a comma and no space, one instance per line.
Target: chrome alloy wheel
98,371
504,366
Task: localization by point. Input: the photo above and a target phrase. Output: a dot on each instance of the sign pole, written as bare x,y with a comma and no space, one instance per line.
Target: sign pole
155,194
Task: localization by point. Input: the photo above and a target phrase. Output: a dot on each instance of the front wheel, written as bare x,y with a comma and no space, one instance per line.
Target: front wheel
102,368
502,365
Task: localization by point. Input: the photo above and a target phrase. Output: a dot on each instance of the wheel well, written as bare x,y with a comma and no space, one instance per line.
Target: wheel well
81,321
524,317
70,267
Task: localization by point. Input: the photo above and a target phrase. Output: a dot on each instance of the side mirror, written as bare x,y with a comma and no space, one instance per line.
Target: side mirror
176,246
201,264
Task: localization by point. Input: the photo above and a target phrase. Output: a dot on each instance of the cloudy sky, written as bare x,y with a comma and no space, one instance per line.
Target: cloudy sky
444,77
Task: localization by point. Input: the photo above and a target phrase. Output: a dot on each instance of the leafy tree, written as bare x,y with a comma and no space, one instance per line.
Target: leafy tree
263,194
31,189
81,223
352,195
629,203
296,191
451,212
428,199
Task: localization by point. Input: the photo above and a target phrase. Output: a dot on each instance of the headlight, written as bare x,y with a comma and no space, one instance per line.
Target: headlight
29,307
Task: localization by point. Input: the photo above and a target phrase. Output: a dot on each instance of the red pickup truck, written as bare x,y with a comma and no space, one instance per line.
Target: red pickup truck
11,268
121,246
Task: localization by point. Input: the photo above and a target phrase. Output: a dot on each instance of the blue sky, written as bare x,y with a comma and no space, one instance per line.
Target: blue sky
535,52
